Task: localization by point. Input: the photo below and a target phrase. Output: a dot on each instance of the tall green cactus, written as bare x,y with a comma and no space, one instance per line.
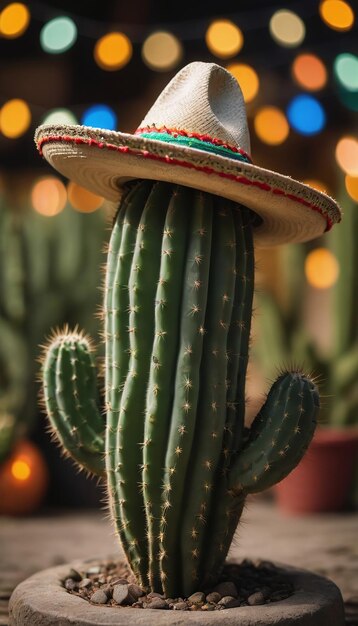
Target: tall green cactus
176,455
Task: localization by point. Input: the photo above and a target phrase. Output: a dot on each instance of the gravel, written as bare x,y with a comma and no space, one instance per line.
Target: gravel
245,584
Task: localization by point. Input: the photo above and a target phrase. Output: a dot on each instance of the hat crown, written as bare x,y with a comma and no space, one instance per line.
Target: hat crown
205,99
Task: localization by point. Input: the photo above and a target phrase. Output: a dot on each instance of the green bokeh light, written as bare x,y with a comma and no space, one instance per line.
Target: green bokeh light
58,35
346,70
59,116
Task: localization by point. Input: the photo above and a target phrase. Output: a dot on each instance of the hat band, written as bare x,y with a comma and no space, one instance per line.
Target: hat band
191,140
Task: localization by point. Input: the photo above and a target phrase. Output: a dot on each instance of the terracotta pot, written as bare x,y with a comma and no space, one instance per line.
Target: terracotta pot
322,480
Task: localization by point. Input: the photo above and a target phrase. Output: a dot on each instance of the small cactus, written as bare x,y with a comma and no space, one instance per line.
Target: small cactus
178,460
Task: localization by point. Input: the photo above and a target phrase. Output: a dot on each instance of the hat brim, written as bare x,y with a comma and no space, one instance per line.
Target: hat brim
103,160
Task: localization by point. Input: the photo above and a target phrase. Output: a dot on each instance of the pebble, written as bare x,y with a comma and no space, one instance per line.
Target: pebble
99,597
93,570
256,598
120,593
75,575
229,602
155,594
208,607
226,589
180,606
197,598
135,591
213,597
85,582
70,584
157,603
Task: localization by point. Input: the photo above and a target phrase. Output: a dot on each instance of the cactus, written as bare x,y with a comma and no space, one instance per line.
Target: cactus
283,333
178,460
48,276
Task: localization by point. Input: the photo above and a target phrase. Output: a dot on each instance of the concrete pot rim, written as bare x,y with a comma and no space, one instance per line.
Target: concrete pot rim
41,600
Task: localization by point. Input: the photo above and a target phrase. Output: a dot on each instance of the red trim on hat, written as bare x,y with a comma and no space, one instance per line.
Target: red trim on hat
175,132
167,159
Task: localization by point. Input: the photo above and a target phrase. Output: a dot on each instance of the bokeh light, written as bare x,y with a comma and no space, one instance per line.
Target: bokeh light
14,20
309,72
162,51
351,183
58,35
83,200
306,115
287,28
321,268
247,79
347,155
346,70
316,184
49,196
337,14
59,116
20,469
271,125
224,39
113,51
15,118
100,116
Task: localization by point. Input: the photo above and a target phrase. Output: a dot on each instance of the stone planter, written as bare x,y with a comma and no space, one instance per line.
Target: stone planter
41,600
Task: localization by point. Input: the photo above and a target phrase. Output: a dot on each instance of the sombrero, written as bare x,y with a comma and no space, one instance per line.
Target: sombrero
196,135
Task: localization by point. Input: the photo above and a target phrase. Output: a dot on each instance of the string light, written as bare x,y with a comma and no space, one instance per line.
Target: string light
287,28
113,51
351,183
162,51
247,79
14,20
321,268
224,39
15,118
306,115
58,35
20,470
346,70
337,14
83,200
347,155
309,72
49,196
59,116
271,125
100,116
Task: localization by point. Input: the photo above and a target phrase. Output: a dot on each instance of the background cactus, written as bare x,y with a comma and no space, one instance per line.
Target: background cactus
284,336
49,271
177,313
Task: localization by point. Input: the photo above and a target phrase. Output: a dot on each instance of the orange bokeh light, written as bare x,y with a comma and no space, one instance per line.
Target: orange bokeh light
337,14
347,155
352,186
309,71
271,125
83,200
321,268
20,469
224,38
49,196
247,79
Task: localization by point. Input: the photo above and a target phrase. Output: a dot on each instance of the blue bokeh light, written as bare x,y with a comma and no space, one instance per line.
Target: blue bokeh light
306,115
100,116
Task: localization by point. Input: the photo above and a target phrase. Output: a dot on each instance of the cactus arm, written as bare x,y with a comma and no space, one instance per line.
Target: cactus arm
162,368
142,289
279,435
69,391
186,393
211,411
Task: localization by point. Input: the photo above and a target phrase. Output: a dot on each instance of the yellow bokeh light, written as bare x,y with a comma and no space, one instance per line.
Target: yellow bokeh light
20,469
271,125
14,20
113,51
316,184
247,79
83,200
321,268
309,71
48,196
337,14
347,155
224,39
352,187
15,118
162,51
287,28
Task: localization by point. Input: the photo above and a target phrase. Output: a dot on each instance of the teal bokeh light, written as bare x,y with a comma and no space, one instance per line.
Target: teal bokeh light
346,71
58,35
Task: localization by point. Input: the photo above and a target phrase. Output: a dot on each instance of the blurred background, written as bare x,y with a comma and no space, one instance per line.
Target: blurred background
103,65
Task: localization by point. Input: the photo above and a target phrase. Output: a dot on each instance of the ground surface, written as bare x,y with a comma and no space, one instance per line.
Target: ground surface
326,544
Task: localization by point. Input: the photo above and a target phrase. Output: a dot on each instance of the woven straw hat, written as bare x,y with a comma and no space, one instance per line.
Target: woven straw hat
196,135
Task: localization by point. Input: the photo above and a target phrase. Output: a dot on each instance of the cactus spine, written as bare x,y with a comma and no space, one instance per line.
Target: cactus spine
179,463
